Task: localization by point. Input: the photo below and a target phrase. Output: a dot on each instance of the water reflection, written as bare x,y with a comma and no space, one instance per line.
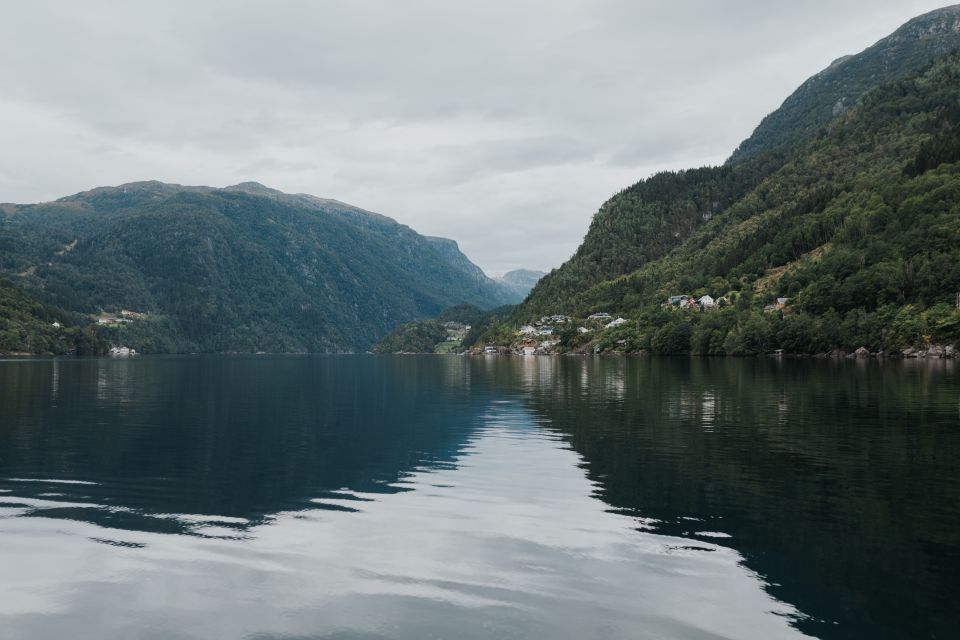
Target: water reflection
504,540
836,481
365,497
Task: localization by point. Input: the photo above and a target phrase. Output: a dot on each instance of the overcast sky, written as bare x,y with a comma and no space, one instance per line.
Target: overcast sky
502,125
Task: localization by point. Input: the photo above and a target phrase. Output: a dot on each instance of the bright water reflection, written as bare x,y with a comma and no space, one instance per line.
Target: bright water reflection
369,497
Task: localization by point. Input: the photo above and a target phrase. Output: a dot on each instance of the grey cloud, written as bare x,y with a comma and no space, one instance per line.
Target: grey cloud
501,124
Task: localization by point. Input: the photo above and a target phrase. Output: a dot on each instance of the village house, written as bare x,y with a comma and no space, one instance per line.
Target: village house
528,350
545,331
619,322
527,330
707,302
778,305
583,330
600,316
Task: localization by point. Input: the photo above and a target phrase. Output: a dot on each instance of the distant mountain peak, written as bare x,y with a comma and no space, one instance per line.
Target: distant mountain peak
253,188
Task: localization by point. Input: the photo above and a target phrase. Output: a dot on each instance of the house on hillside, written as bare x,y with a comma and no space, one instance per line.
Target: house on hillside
529,350
619,322
707,302
527,330
600,316
779,305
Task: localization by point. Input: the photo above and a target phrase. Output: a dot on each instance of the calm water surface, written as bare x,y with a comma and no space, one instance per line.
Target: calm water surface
364,497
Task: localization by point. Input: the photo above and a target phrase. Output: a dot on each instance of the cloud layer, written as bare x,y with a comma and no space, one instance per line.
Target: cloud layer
503,125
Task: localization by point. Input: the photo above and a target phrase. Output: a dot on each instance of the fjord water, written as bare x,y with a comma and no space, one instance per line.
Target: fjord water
447,497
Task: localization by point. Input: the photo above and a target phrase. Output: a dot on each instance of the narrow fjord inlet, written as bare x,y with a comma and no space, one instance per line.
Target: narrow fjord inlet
480,320
412,497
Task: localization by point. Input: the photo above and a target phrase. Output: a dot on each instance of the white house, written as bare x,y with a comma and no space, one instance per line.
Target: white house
706,302
599,316
529,350
528,330
583,330
619,322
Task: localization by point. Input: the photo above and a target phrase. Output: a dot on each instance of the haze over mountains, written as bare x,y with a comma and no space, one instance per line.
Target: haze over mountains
243,268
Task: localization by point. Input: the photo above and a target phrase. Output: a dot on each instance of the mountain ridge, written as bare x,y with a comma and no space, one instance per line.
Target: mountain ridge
242,268
830,93
847,238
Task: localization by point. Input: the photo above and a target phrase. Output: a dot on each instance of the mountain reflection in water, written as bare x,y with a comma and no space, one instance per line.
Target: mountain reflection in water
411,497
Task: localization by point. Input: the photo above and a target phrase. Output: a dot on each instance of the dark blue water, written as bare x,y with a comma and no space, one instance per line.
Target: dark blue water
446,497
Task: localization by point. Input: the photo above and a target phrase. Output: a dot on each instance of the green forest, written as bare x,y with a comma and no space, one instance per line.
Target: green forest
26,326
858,227
241,269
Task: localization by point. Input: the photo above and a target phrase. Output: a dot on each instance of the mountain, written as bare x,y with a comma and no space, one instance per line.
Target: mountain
521,281
856,226
244,268
447,333
835,90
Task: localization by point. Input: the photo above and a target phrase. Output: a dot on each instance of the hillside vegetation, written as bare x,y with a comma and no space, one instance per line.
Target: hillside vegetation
26,326
244,268
859,227
448,332
833,92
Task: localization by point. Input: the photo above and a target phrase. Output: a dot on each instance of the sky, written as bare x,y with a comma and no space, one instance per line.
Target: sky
501,124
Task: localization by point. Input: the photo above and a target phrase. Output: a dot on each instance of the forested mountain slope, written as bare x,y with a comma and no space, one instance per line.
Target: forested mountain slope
835,90
859,227
26,326
644,222
244,268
